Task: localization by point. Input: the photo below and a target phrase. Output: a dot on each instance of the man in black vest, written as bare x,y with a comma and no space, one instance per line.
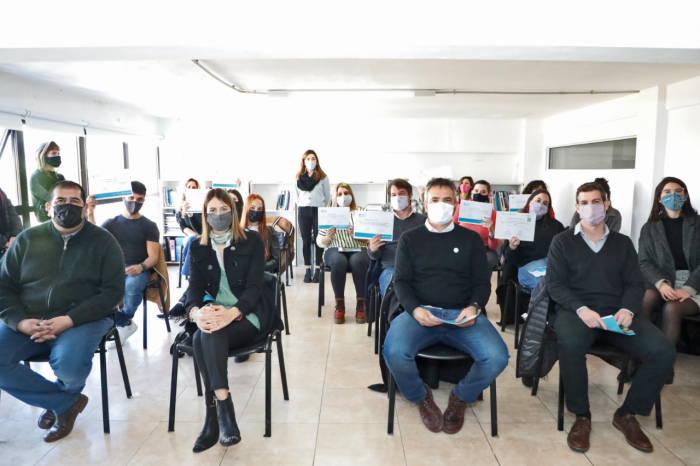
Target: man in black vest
592,273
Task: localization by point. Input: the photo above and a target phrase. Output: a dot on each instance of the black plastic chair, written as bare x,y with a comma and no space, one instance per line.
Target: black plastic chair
521,293
112,335
442,352
179,272
322,286
374,304
153,284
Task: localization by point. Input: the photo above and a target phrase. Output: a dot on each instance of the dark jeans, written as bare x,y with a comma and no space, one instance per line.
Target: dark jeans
656,353
340,263
71,355
308,228
211,351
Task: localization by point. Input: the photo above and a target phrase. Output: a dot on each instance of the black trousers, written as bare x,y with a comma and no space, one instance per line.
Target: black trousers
211,351
308,229
649,345
340,263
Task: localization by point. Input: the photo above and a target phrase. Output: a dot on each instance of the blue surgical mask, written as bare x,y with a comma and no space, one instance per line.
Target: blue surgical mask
673,201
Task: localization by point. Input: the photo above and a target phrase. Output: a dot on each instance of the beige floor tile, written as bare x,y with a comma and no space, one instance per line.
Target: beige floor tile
148,403
673,407
608,447
514,405
21,442
690,395
361,444
9,405
190,407
290,444
175,448
350,332
303,406
354,406
93,393
309,374
295,349
602,407
88,444
681,438
424,448
532,444
352,374
362,351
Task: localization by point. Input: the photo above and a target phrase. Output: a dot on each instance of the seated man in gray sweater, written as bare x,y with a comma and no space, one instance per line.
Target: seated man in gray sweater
60,283
592,273
401,194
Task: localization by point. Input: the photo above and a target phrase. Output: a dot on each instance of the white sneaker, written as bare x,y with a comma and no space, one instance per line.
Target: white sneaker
126,331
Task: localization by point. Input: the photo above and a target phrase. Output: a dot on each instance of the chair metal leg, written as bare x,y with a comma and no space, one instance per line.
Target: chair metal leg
145,321
197,377
283,371
179,273
560,408
392,402
535,385
321,290
505,309
480,397
377,326
517,317
494,411
268,389
166,317
173,390
621,384
370,311
283,291
122,364
659,420
103,382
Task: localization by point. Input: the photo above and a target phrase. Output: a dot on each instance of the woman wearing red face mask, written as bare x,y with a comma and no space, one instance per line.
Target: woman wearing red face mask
466,183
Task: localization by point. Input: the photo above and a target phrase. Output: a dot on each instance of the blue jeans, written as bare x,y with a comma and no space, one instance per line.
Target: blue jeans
384,279
527,279
133,295
406,337
186,255
71,360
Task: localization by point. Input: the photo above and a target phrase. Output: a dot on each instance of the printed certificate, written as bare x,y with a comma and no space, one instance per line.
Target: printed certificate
110,186
329,217
224,185
196,197
369,224
474,212
517,201
509,224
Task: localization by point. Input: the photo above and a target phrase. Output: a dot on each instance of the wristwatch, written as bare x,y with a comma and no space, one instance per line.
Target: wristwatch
478,308
143,265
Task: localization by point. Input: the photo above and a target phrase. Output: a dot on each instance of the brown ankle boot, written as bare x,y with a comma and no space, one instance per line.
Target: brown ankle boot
339,315
360,316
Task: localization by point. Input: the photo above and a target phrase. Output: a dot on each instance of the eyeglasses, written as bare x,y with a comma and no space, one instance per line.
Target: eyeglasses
666,192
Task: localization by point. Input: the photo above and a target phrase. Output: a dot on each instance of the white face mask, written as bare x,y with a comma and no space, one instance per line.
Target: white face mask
399,202
310,164
344,201
440,213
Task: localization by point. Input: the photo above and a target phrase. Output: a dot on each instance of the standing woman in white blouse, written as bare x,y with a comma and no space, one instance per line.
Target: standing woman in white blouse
312,191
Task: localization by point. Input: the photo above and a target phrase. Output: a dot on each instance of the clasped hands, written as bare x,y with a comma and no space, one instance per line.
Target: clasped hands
215,317
41,330
593,320
422,315
669,294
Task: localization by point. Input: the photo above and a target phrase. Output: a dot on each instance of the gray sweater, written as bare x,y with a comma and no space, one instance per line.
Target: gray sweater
613,219
387,253
656,259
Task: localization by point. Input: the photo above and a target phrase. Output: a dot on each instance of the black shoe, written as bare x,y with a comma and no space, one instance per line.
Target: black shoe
178,310
229,434
528,381
240,359
317,275
47,419
307,276
210,433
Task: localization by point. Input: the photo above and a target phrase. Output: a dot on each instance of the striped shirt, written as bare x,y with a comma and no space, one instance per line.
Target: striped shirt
343,238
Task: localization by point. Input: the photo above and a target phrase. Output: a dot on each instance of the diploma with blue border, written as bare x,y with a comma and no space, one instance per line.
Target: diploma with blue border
196,197
474,212
517,201
112,185
224,185
370,223
333,217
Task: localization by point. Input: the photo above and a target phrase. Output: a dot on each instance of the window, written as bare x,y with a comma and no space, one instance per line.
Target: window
606,155
8,171
105,154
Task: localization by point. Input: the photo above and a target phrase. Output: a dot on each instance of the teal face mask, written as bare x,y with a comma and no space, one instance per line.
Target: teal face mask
673,201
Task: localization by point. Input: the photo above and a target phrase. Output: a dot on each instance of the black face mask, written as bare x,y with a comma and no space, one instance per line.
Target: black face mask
67,215
480,198
133,207
53,161
255,215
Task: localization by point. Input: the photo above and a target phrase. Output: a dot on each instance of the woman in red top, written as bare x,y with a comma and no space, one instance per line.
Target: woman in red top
480,193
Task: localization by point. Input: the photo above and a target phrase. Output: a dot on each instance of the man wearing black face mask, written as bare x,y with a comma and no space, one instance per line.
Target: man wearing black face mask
139,239
59,285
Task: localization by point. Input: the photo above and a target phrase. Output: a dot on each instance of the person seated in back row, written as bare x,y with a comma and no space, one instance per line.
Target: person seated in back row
10,223
60,283
593,272
442,272
401,195
480,193
253,219
613,217
343,253
139,239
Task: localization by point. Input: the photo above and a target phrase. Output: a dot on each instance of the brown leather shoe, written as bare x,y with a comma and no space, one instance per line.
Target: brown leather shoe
454,414
339,315
360,315
430,414
47,419
65,422
579,438
628,425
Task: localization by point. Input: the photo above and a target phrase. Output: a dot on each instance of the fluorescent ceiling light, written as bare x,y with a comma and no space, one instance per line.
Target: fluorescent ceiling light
351,95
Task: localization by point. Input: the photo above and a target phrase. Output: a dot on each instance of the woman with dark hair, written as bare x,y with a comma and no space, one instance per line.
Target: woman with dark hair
534,185
613,217
237,202
531,255
669,255
466,183
312,190
253,218
481,192
227,302
48,159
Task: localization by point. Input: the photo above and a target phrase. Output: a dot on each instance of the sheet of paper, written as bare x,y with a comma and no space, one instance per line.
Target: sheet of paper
109,186
195,197
369,224
509,224
224,185
474,212
538,271
419,177
452,322
329,217
612,325
517,201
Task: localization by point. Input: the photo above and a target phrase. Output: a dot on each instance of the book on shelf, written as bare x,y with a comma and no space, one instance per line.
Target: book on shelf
170,197
284,200
500,201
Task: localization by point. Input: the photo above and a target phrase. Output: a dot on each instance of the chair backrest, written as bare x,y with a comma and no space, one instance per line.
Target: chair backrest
284,226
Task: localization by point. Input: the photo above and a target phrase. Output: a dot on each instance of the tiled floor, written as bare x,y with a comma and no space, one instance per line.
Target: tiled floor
331,417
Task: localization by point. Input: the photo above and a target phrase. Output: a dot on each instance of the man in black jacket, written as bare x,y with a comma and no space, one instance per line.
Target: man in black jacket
442,273
10,224
59,285
592,273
